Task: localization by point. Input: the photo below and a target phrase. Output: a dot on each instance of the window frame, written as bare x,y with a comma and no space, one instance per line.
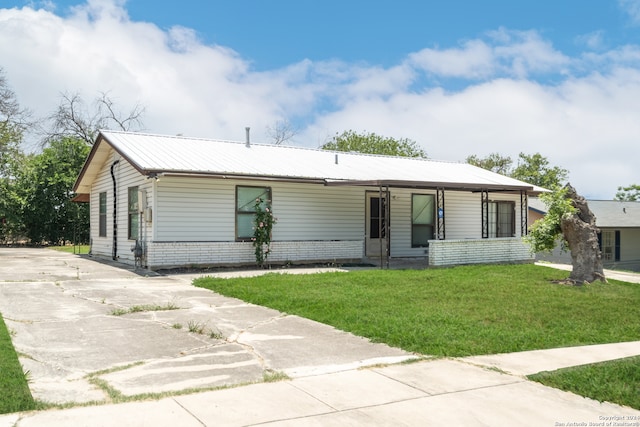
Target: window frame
102,214
246,213
414,224
494,220
133,213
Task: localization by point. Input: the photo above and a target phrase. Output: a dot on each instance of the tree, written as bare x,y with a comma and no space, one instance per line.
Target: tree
46,184
570,219
371,143
74,119
14,121
493,162
533,169
628,194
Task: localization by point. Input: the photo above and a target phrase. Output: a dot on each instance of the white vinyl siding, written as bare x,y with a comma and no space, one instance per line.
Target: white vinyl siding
192,209
126,176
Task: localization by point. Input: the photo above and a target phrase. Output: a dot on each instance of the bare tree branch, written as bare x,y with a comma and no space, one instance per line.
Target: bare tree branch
282,131
74,118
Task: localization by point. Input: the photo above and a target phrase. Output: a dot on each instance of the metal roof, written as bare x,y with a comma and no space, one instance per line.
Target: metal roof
609,213
177,155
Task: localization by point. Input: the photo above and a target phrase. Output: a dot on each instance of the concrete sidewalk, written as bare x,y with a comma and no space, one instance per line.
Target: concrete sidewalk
427,393
60,310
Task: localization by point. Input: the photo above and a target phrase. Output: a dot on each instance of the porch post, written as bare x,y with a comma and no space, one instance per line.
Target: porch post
485,213
380,225
387,221
524,213
440,228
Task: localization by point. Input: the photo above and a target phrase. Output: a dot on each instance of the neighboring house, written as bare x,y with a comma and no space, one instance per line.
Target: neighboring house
619,224
188,202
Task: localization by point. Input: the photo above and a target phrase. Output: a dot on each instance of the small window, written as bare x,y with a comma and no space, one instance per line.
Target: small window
102,216
422,219
377,218
134,216
502,221
610,245
245,209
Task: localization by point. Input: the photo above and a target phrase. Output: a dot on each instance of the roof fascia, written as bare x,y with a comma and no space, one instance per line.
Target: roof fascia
431,185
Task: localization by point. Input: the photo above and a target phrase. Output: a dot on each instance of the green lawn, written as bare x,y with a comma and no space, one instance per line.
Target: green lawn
457,311
615,381
14,391
468,310
74,249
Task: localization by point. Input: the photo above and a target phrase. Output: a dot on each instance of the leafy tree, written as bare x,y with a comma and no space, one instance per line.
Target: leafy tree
570,220
14,121
46,184
493,162
534,169
628,194
371,143
545,232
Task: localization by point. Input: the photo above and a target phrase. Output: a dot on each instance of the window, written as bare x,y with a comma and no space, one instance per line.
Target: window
610,245
502,220
245,209
134,216
422,219
377,218
102,215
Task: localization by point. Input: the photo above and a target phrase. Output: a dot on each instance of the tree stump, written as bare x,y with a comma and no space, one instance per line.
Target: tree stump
580,231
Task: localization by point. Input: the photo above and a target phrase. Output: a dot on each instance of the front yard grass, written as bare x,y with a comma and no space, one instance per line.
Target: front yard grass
468,310
73,249
14,390
615,381
459,311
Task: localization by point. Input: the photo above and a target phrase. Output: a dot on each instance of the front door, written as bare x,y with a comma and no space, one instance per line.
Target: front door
376,225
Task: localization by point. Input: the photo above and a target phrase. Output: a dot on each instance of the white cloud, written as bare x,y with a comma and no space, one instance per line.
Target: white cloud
632,8
585,120
593,40
509,53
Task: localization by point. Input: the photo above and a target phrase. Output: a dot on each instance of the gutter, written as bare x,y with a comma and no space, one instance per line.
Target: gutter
114,251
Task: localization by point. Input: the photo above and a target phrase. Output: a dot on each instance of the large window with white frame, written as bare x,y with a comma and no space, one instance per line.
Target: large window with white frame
246,198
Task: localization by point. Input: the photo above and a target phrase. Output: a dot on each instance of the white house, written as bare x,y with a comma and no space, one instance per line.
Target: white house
188,202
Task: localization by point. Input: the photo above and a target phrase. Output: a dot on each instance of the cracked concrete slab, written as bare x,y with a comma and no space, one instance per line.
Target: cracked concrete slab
75,320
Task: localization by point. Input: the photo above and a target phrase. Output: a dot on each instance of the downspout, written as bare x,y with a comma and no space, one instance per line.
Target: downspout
114,252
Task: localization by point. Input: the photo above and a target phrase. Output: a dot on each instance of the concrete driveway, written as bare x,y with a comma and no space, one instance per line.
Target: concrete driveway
65,313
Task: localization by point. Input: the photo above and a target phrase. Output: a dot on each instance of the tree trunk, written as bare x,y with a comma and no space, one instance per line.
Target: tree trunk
581,233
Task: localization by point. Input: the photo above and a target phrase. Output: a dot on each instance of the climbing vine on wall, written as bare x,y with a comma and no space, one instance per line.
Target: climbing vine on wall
262,225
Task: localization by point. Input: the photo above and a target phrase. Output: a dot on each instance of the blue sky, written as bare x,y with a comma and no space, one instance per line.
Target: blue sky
459,77
276,33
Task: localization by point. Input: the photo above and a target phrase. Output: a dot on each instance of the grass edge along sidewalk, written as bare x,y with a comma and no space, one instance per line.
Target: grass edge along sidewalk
616,381
15,395
476,303
452,312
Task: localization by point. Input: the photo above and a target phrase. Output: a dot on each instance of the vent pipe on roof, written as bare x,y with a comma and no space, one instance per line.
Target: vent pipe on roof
248,138
336,158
